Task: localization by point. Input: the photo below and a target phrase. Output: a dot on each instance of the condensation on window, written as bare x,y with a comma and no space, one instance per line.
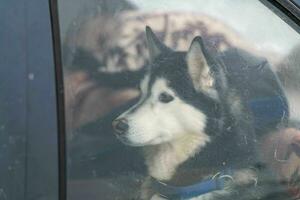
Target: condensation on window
241,78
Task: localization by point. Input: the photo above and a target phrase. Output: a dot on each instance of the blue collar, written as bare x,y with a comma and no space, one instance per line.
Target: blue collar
197,189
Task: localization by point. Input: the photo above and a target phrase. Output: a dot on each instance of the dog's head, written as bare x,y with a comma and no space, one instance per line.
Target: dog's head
177,96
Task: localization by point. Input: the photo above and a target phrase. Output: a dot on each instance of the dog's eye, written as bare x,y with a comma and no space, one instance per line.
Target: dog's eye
165,97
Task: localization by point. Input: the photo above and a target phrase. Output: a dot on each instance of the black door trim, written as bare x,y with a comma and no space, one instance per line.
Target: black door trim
60,100
286,10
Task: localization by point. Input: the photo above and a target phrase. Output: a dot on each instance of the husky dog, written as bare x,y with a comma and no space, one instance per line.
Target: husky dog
195,128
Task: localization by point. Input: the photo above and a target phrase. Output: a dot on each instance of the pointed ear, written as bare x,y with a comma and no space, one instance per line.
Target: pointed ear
198,67
154,45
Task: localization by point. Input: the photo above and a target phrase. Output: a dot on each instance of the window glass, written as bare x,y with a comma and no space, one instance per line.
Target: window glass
207,93
297,2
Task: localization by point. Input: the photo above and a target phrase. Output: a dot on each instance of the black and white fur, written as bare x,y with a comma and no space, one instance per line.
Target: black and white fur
192,123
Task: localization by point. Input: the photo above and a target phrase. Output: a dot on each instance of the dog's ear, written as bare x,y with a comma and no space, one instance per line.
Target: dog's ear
198,67
154,45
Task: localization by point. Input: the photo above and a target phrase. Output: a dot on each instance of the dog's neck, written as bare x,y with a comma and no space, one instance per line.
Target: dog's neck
195,157
162,160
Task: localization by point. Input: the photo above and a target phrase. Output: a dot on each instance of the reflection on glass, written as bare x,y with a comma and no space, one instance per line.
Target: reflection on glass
145,122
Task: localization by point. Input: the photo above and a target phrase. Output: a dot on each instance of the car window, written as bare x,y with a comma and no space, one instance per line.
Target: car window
165,99
297,2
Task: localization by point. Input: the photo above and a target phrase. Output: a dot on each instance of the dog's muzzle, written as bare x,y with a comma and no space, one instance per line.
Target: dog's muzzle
120,126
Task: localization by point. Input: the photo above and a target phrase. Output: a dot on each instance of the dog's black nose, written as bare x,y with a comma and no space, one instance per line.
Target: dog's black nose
120,125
